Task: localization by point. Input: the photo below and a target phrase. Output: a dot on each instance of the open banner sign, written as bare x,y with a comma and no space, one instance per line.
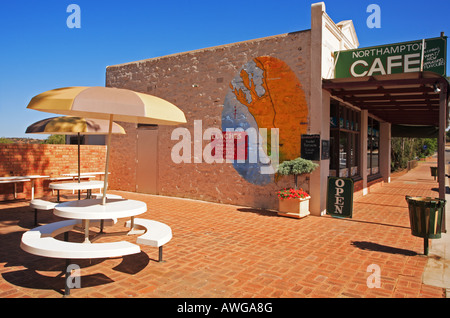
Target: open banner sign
231,145
340,197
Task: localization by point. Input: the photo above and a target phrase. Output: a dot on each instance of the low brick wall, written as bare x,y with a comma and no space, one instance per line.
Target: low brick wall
43,159
371,186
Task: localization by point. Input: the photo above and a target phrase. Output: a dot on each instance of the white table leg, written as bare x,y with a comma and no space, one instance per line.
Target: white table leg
133,230
86,231
32,189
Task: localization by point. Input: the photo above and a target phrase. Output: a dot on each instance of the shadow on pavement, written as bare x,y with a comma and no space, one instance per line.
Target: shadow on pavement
382,248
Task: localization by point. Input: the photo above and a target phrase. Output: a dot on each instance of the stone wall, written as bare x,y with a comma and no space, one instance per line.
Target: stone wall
198,82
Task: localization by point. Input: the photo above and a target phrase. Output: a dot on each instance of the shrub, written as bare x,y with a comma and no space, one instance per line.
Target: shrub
296,167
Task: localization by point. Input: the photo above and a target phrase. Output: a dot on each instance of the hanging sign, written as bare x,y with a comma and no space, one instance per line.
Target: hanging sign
325,150
340,197
396,58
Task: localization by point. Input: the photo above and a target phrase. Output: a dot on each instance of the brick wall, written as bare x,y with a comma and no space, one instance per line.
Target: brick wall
43,159
123,159
197,82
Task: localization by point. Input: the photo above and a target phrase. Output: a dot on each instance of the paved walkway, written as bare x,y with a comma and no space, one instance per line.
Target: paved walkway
228,251
437,270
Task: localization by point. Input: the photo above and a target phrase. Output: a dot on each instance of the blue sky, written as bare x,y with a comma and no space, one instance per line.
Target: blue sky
39,52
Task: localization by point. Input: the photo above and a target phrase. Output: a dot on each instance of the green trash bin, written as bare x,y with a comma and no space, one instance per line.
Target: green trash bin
434,172
425,216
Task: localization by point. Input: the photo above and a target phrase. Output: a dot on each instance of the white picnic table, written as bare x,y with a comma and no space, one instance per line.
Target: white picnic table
84,185
16,179
82,215
92,209
85,174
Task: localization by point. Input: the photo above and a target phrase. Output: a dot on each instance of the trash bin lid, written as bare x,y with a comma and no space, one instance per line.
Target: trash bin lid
425,201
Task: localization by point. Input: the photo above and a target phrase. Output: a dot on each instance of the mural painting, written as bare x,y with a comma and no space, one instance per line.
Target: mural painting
266,94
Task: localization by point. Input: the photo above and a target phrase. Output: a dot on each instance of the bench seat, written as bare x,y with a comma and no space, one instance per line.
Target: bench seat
40,241
42,204
39,204
156,233
108,196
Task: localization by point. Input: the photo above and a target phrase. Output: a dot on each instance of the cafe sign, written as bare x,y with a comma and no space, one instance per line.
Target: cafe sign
415,56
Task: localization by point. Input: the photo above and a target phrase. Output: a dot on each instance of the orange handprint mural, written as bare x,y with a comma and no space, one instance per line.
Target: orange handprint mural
267,94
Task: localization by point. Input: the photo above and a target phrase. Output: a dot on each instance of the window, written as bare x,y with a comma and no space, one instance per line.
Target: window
373,144
344,141
73,140
147,127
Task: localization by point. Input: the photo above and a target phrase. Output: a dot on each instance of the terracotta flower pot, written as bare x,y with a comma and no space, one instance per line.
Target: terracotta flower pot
294,208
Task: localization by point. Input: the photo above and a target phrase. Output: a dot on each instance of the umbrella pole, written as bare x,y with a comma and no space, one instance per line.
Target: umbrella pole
105,186
79,141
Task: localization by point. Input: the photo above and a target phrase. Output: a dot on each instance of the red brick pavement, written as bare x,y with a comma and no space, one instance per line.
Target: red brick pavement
228,251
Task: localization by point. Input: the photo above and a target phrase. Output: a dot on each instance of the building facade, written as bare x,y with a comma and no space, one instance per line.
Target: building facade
273,86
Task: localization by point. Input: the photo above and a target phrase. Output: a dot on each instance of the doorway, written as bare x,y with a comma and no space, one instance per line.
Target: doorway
147,159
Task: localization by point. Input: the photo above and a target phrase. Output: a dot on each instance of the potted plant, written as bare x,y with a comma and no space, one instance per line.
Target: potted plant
294,202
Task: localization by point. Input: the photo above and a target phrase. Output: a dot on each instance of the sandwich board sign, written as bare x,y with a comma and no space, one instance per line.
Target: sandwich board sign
340,197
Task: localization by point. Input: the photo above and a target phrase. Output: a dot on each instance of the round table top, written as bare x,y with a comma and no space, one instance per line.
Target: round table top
11,180
93,209
83,174
84,185
37,176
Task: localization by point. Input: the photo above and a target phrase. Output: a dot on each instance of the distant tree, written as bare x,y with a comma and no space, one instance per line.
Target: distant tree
4,140
406,149
427,147
55,139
